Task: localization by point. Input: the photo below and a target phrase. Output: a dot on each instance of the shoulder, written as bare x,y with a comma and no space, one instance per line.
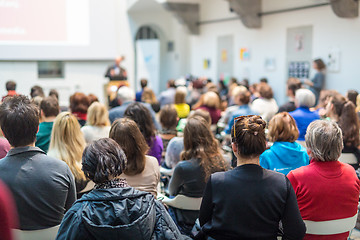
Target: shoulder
152,161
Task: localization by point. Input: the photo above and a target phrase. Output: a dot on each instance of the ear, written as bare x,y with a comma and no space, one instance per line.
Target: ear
42,113
309,152
234,148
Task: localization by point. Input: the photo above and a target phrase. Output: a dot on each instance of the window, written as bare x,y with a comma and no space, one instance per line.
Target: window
50,69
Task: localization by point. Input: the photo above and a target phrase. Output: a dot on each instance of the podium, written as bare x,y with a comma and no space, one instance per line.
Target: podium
110,89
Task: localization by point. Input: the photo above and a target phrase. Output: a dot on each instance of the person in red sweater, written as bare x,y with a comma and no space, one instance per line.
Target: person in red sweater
8,218
327,189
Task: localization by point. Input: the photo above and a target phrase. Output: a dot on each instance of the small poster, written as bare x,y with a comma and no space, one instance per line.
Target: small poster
299,69
224,55
244,54
206,63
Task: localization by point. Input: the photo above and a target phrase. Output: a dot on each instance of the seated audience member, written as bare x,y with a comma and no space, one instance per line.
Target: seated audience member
223,90
148,96
254,90
168,121
54,93
303,116
196,88
79,104
292,85
142,171
266,105
114,210
8,218
11,89
98,124
237,92
323,101
125,97
4,146
211,104
143,84
43,187
67,144
358,105
243,109
285,154
141,115
92,98
37,91
352,95
49,109
200,158
342,111
249,202
327,190
182,108
168,96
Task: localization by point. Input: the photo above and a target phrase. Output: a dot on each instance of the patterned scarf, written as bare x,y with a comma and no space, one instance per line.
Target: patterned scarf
114,183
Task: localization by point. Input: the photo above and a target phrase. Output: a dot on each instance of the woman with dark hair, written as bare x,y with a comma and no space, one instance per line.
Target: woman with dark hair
141,115
79,104
168,120
265,105
200,158
318,81
142,172
249,202
114,210
352,95
285,154
342,111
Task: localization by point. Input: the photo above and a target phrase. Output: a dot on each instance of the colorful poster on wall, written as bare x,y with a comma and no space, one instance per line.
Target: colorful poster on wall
206,63
244,54
224,56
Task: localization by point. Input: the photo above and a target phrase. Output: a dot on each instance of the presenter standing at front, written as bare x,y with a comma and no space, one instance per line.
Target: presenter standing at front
115,71
317,83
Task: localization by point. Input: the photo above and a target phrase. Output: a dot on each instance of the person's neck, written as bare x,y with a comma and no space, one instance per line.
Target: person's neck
30,145
334,117
242,161
49,119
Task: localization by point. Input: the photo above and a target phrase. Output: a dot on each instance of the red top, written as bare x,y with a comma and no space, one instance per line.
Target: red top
326,191
10,93
215,114
7,213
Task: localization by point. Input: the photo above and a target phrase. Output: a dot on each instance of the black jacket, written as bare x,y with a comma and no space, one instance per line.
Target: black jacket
118,213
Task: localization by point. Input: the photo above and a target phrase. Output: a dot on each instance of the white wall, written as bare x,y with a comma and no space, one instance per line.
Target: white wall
270,41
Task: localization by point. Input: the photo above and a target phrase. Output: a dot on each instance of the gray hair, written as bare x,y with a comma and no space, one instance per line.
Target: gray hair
304,98
324,139
126,94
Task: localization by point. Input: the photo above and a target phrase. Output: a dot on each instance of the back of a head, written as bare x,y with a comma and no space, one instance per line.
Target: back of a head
168,117
93,98
265,91
10,85
212,100
54,93
201,113
282,128
19,120
142,116
103,159
248,133
241,95
293,84
50,107
143,83
171,83
127,134
320,64
125,94
180,96
304,98
263,80
79,102
37,91
352,95
148,96
98,115
324,139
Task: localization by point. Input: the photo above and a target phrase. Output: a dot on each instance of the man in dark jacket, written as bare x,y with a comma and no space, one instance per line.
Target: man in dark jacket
114,210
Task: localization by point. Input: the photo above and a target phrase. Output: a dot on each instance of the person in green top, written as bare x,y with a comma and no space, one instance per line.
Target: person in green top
49,108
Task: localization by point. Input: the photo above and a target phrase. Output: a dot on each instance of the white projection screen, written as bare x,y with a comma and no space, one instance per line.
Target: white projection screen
57,29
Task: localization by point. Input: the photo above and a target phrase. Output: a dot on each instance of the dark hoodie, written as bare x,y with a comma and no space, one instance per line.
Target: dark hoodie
118,213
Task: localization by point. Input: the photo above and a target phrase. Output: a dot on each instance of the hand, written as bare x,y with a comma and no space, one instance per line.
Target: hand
309,83
112,72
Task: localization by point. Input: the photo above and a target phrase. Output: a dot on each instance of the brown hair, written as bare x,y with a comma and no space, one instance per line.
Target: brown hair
293,84
180,96
93,98
249,136
348,120
201,113
148,96
199,142
320,64
265,91
50,107
79,102
168,117
127,134
282,128
143,82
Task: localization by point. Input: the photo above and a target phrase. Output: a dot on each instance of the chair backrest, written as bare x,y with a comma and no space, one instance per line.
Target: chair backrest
183,202
348,158
330,227
43,234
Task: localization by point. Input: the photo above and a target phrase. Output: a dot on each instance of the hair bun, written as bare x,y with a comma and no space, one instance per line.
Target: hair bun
256,124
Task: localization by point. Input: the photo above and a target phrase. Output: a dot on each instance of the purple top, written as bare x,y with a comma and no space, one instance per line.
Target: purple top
156,148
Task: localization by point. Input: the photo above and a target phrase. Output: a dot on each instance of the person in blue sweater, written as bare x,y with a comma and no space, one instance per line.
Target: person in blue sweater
285,154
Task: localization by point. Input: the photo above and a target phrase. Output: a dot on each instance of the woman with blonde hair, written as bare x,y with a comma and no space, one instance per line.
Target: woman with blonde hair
98,124
180,105
285,154
142,171
148,96
67,144
211,104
